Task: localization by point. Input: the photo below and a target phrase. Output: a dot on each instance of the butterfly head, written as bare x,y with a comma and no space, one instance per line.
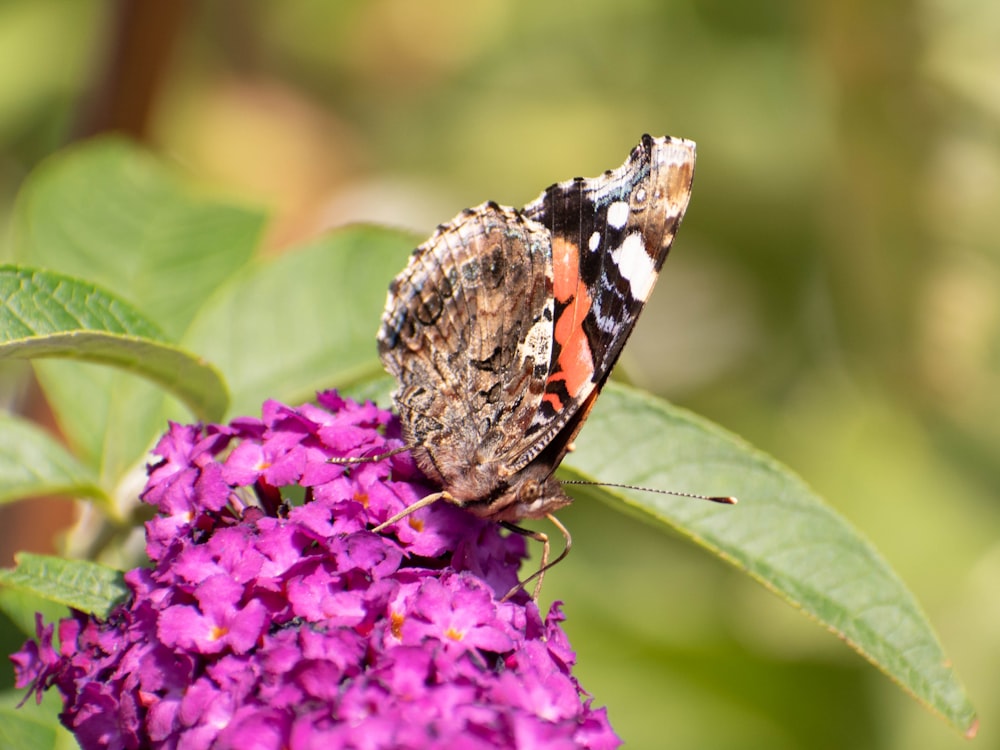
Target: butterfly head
526,496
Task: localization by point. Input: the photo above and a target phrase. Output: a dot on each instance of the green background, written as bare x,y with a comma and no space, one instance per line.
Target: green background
833,295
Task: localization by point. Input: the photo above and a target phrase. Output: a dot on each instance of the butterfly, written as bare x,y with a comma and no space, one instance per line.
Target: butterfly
506,323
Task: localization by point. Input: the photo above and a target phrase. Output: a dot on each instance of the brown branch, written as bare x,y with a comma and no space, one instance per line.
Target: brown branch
128,81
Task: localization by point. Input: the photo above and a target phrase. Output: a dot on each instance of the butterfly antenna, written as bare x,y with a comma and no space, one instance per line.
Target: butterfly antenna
538,536
721,499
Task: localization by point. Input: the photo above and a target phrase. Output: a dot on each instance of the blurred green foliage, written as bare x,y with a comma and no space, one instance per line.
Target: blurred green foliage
833,294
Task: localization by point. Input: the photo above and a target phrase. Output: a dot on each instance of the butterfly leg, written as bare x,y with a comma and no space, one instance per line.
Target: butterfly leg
538,536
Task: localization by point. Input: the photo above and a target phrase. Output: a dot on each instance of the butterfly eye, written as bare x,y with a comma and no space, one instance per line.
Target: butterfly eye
529,491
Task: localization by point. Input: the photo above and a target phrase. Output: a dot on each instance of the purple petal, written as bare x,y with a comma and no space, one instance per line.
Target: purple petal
273,617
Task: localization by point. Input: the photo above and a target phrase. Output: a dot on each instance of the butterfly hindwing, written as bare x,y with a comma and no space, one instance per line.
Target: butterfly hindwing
467,332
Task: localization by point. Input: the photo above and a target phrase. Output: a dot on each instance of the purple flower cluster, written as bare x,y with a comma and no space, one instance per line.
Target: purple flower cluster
273,618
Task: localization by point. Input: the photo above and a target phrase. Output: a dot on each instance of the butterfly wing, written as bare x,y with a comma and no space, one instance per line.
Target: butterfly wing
467,332
610,236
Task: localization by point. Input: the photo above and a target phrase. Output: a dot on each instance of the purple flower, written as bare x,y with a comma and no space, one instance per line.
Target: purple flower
272,617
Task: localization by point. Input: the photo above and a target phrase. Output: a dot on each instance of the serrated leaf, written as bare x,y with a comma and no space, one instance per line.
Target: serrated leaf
303,321
87,586
45,314
781,533
33,464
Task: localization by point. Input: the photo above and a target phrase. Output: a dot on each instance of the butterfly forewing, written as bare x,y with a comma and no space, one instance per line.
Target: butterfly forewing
467,332
610,236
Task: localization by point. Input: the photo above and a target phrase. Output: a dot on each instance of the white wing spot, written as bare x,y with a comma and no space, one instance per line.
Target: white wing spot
617,214
537,342
594,242
635,265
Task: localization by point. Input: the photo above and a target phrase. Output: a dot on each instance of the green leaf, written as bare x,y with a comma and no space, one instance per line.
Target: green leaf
33,303
44,314
21,606
87,586
29,726
33,464
22,731
379,390
108,212
110,418
781,533
303,321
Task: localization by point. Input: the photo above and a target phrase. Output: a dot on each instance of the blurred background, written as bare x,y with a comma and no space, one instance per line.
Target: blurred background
833,296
